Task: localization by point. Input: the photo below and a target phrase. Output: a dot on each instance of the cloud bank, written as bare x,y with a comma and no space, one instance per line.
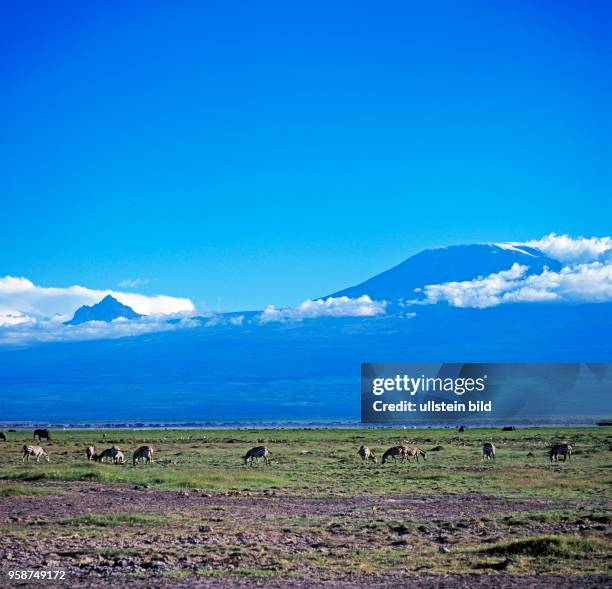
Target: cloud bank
570,250
580,283
363,306
21,300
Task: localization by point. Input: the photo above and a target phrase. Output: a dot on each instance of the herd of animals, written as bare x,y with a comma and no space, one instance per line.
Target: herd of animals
144,454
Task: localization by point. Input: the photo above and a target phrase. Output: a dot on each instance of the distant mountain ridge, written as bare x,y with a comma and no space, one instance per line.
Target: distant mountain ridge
107,310
448,264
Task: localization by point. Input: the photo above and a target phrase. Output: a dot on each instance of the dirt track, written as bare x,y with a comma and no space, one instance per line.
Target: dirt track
297,541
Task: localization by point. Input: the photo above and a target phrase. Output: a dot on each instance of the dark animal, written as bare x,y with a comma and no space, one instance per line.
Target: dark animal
508,428
560,449
3,436
461,429
42,434
257,453
394,452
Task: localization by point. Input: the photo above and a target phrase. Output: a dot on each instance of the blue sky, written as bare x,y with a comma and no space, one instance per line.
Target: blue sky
248,153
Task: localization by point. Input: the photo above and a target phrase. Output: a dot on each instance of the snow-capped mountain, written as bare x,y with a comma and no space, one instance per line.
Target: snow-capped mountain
453,263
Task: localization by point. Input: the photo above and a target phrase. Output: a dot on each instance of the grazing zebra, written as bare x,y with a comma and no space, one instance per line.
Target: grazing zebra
394,452
37,451
560,449
488,450
144,453
257,453
42,433
111,453
3,436
91,452
366,454
414,452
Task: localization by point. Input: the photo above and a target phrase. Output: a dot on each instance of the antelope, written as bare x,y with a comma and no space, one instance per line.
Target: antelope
366,454
119,457
42,433
144,453
37,451
394,452
560,449
413,451
91,452
488,451
257,453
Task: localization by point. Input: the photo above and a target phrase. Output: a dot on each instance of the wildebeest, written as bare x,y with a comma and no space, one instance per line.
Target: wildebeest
461,429
144,453
366,454
414,452
508,428
560,449
36,451
257,453
91,452
3,436
42,434
394,452
111,453
488,451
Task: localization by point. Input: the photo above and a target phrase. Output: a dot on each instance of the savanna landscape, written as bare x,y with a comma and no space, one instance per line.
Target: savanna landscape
316,515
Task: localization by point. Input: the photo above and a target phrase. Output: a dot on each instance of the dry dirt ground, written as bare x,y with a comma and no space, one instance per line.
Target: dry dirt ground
108,535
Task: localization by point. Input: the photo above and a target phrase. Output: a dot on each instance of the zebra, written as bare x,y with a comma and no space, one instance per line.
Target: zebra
413,451
144,453
366,454
394,452
257,453
37,451
488,450
42,433
91,452
560,449
111,453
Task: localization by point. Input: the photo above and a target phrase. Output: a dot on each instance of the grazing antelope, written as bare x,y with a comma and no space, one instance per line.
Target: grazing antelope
560,449
119,457
108,453
37,451
366,454
394,452
91,452
488,451
144,453
414,452
42,433
3,436
257,453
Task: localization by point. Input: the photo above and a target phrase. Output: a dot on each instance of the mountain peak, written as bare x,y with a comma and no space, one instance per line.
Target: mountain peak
107,310
449,264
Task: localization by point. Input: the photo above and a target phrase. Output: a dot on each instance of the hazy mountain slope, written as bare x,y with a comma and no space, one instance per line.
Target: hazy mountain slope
454,263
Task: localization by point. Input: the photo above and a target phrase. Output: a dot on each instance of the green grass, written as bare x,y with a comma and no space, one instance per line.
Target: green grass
109,521
211,459
15,490
551,545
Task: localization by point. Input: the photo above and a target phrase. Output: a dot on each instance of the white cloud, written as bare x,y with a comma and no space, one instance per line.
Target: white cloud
133,283
20,296
590,282
569,250
363,306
